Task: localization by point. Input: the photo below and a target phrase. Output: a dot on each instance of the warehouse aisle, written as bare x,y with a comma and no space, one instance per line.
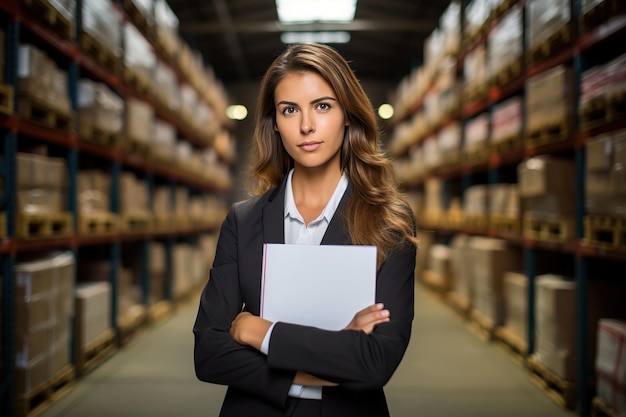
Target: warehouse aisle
448,371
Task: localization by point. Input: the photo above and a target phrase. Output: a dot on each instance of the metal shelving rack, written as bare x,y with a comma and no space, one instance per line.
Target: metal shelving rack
581,254
15,19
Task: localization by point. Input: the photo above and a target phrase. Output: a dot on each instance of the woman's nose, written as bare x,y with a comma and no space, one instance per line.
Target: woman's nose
307,124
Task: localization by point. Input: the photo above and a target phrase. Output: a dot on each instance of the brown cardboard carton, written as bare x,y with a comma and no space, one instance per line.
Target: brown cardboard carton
93,310
30,378
31,346
545,175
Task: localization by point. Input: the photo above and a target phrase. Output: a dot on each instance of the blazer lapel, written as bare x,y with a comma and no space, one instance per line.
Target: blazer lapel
274,216
336,233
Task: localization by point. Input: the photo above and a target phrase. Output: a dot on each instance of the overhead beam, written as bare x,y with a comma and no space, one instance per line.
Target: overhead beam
361,25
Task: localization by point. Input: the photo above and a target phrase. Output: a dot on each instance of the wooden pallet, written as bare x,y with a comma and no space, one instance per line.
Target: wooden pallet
94,353
40,399
505,225
100,53
98,223
45,11
563,392
549,228
6,99
509,73
43,225
602,110
159,311
37,111
481,325
138,80
3,225
459,304
515,347
478,223
549,46
600,408
548,134
475,93
605,232
95,134
601,13
139,221
137,17
131,324
508,144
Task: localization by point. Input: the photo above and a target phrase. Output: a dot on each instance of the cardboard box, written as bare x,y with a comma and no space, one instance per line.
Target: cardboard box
28,378
611,349
93,310
41,200
138,120
544,175
30,347
516,304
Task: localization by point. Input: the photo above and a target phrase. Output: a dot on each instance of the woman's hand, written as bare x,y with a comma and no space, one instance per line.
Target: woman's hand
249,330
302,378
366,319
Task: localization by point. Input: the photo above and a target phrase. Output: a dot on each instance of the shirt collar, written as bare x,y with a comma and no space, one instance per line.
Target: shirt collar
328,212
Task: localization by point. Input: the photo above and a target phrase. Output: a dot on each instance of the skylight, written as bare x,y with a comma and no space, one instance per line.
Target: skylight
315,37
307,11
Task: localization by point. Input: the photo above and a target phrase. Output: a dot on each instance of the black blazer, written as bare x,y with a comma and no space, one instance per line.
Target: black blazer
258,385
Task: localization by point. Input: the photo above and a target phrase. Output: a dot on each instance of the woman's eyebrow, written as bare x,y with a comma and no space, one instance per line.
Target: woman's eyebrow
317,100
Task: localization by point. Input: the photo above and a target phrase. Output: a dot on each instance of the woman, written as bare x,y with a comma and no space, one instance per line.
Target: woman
320,179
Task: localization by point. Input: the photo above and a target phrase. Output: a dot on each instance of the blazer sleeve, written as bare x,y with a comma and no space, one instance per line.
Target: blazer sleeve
217,357
353,359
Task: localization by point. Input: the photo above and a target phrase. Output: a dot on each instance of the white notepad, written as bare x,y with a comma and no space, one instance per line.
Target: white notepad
317,285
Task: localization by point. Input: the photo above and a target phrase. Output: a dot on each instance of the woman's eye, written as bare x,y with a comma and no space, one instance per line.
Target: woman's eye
323,106
289,110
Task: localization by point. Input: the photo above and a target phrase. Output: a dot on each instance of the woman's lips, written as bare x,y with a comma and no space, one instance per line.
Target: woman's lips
309,146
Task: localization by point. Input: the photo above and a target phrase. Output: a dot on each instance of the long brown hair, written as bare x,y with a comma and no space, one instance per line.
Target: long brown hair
376,214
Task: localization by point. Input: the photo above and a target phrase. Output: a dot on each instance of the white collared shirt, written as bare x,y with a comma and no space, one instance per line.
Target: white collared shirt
299,233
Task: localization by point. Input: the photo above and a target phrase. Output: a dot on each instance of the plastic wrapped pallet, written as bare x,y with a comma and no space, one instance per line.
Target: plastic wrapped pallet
103,23
93,191
476,14
93,310
133,194
516,302
138,120
506,120
491,259
605,174
549,99
610,365
544,18
554,327
475,69
44,307
138,53
475,201
542,188
505,43
99,107
450,24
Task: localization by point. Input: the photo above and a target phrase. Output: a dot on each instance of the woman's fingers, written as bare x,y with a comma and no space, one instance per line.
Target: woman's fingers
366,319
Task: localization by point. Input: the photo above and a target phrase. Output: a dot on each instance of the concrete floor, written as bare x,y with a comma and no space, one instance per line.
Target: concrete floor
447,371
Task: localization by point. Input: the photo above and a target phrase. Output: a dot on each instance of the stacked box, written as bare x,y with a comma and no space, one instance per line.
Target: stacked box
99,107
138,53
475,201
610,365
162,202
476,14
157,270
475,69
554,327
93,311
504,200
491,259
41,79
476,133
181,204
544,18
138,120
603,81
449,139
41,184
44,310
460,259
432,154
166,27
133,194
103,23
506,120
505,42
433,199
168,88
93,190
549,99
163,140
546,186
439,273
450,24
516,304
605,175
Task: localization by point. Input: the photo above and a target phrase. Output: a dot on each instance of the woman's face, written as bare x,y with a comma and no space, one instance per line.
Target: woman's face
310,120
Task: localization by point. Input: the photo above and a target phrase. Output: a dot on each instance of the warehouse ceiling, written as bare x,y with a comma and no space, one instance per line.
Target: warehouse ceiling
240,38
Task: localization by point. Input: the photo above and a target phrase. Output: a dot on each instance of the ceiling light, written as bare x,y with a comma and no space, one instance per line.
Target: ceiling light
385,111
306,11
237,112
289,38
